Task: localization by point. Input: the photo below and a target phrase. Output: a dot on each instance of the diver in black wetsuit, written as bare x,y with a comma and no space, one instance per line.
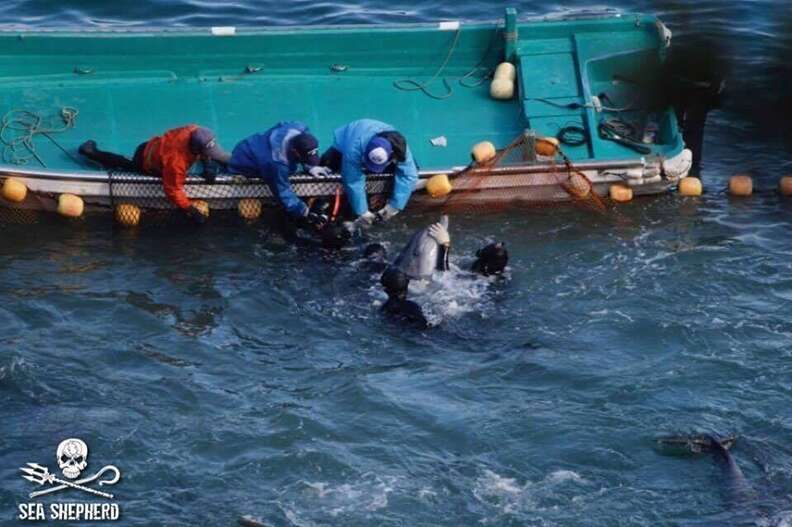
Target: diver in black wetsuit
398,307
426,252
491,259
327,233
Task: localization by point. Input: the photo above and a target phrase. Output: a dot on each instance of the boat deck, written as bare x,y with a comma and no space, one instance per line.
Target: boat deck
128,87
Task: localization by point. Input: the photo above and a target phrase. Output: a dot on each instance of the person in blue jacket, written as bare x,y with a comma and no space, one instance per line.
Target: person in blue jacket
371,146
276,154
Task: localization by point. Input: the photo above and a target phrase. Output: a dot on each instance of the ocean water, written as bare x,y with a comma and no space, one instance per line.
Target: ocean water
230,374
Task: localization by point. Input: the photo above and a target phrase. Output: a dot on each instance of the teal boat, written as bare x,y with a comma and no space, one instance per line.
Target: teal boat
574,74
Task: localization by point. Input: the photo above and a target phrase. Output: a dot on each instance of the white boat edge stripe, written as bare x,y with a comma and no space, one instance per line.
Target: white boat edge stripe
451,25
223,31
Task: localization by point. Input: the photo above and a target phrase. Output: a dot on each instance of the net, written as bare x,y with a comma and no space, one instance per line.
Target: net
138,199
528,170
131,199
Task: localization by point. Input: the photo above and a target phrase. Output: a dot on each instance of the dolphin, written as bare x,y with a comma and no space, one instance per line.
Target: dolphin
422,255
738,488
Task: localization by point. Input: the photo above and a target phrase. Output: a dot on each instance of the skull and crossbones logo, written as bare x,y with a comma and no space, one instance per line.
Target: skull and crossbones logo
72,457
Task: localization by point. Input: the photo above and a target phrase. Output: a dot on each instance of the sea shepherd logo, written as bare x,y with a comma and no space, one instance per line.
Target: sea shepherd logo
72,456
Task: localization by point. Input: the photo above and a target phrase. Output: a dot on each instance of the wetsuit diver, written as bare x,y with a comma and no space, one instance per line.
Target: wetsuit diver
491,259
369,146
426,252
375,258
398,307
693,83
274,156
169,157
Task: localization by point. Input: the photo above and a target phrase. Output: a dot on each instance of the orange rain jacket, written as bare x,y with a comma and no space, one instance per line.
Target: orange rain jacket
169,157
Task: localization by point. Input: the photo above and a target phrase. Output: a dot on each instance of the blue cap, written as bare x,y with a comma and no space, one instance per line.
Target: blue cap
379,154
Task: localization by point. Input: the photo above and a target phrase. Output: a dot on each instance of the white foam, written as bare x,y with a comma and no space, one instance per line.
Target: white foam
562,476
370,493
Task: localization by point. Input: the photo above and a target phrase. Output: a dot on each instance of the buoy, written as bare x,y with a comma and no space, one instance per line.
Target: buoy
546,146
483,152
249,209
621,193
505,70
502,89
70,205
785,186
690,186
578,185
202,206
14,190
741,186
438,186
127,214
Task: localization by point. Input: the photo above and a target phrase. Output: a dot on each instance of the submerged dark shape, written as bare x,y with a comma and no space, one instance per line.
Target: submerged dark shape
738,488
423,255
491,259
375,258
334,236
398,307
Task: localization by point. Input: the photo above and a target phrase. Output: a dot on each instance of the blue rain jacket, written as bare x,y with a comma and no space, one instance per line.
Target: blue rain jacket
264,156
351,140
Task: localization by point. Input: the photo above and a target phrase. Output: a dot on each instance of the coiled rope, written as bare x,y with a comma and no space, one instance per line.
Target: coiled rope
19,128
478,80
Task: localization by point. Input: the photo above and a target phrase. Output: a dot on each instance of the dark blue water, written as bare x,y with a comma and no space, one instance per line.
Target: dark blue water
228,373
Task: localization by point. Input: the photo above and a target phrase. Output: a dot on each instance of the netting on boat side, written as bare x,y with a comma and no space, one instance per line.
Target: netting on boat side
137,199
530,169
141,199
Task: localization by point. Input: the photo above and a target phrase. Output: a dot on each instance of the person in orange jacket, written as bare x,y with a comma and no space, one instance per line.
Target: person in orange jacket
169,157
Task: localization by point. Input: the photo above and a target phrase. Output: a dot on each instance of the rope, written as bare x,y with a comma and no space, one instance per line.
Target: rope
19,128
413,85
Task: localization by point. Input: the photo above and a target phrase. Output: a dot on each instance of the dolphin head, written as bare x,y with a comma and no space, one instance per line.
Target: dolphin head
418,260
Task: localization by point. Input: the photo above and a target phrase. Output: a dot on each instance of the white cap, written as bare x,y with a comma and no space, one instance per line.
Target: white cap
378,156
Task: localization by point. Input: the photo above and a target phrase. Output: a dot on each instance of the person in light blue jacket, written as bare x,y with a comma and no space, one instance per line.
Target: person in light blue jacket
276,154
375,147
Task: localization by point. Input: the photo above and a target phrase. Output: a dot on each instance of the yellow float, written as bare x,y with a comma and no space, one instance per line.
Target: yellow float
14,190
502,89
505,71
202,206
621,193
483,152
741,186
127,214
690,186
785,186
249,209
439,186
70,206
546,146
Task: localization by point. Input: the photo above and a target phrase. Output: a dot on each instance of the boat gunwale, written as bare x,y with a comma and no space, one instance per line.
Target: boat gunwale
206,31
101,176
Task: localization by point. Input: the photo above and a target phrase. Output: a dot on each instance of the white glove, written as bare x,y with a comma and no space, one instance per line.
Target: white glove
364,221
439,234
320,172
386,213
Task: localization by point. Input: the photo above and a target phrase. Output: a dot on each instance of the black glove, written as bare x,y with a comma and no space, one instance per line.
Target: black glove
195,215
315,221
